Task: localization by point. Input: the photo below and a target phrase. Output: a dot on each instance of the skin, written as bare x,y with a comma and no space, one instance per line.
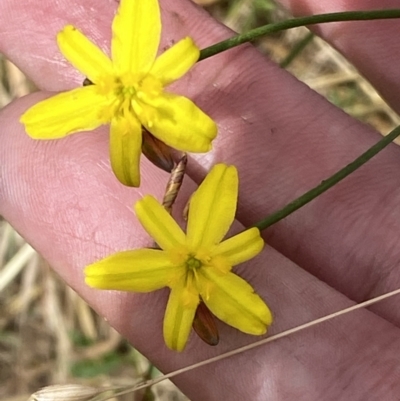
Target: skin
340,249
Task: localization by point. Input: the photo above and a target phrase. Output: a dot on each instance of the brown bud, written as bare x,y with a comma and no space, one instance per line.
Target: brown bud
160,154
204,325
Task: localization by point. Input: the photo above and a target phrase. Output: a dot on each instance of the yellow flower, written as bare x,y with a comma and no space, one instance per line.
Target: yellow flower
127,91
195,265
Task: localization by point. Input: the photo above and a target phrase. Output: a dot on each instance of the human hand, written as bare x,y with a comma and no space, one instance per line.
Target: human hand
284,139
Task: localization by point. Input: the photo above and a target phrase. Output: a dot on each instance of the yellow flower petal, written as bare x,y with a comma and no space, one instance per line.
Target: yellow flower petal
83,54
125,150
176,61
140,270
179,123
65,113
136,35
159,223
233,300
212,207
241,247
179,316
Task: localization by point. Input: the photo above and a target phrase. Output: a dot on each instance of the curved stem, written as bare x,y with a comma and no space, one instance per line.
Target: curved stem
294,23
328,183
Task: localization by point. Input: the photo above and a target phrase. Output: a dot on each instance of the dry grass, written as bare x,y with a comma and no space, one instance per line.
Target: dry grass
48,334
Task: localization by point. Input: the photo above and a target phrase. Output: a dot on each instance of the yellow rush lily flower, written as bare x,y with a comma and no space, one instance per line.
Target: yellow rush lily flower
127,91
196,265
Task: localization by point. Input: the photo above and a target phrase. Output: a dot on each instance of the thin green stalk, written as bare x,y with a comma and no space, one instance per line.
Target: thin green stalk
294,23
328,183
297,49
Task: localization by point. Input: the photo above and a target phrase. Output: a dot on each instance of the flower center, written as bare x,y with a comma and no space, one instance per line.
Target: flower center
192,263
131,94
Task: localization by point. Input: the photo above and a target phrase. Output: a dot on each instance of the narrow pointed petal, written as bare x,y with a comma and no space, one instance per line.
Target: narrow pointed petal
140,270
241,247
125,150
136,35
212,207
179,123
234,301
83,54
65,113
176,61
159,223
179,316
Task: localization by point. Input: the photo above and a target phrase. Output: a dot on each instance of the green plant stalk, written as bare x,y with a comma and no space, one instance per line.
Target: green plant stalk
297,49
328,183
294,23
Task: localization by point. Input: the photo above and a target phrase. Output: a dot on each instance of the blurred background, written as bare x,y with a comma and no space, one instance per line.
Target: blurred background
48,334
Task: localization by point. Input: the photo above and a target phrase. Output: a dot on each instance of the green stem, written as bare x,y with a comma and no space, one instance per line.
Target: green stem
328,183
294,23
297,49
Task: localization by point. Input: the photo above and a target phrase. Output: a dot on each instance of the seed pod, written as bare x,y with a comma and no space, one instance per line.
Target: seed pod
174,183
